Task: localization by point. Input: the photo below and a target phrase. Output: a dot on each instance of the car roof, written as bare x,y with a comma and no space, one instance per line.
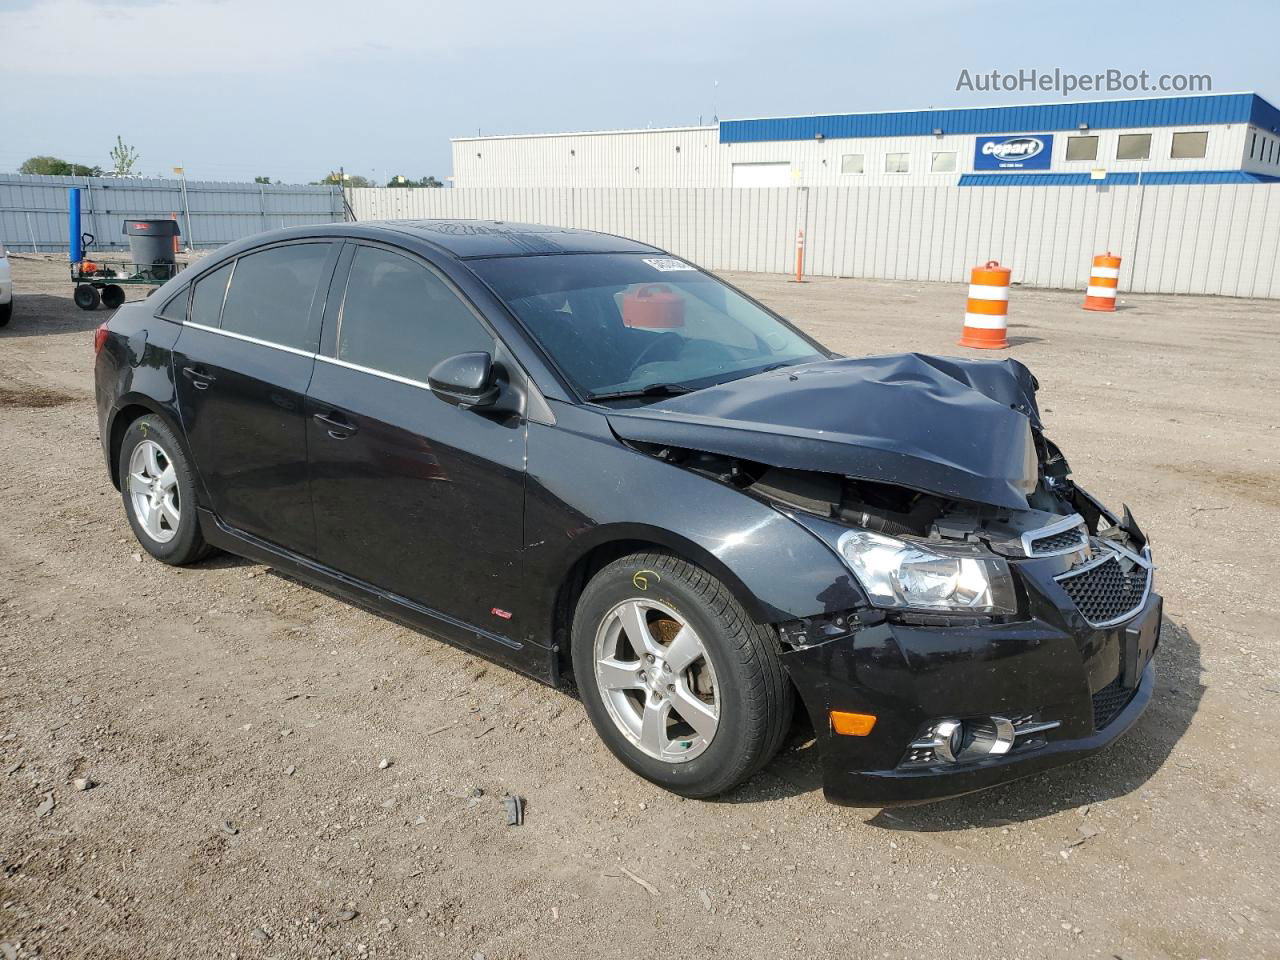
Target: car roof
469,239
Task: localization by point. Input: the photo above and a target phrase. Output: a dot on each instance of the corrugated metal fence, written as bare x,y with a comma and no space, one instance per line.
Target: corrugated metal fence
1184,238
33,210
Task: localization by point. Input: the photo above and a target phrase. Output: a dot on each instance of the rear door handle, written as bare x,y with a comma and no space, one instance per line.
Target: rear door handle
199,379
338,428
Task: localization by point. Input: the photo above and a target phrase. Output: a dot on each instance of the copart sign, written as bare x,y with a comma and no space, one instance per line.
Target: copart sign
1032,151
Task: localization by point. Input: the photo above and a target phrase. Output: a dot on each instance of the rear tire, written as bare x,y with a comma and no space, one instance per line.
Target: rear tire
112,296
6,313
705,703
159,492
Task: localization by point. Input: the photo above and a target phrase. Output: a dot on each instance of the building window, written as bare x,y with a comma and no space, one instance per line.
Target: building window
1190,146
851,163
897,163
1253,145
1082,148
1133,146
943,162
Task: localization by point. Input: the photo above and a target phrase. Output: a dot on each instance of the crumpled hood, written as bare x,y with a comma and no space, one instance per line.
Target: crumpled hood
957,428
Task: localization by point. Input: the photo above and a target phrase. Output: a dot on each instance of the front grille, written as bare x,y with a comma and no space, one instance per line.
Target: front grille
1106,591
1108,702
1058,542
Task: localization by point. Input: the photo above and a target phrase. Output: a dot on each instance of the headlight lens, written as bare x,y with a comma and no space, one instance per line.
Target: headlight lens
896,573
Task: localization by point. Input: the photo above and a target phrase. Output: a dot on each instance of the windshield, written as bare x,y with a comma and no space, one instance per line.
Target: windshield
629,324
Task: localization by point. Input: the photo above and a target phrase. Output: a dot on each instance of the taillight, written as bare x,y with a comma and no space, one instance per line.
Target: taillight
99,338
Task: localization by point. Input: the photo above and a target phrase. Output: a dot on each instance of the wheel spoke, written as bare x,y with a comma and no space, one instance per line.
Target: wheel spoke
684,650
653,727
636,627
166,510
151,520
701,716
169,478
139,485
153,460
619,674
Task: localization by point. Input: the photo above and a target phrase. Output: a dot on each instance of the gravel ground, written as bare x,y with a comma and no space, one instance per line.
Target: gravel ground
279,774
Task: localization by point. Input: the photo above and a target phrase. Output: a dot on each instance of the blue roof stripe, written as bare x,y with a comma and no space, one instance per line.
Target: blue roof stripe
1153,178
1155,112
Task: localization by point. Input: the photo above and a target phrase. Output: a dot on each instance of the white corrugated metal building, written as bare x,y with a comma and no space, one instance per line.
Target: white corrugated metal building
1221,138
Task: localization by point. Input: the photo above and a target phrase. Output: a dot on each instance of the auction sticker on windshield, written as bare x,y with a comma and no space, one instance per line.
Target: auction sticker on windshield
667,264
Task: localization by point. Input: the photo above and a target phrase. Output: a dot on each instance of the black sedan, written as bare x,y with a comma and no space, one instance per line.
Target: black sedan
583,457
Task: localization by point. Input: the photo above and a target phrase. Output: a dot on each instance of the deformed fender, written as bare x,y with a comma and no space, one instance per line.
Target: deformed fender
777,569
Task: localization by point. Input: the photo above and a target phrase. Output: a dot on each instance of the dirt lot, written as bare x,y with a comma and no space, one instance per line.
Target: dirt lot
235,721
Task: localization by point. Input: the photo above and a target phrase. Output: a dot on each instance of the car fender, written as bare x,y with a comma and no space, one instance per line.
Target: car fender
776,568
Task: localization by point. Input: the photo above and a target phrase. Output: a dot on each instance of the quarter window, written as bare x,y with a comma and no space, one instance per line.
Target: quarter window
1133,146
1188,146
398,317
176,308
897,162
206,301
851,163
271,294
1082,148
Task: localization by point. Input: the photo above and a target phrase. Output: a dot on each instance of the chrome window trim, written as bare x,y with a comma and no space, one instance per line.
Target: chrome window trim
248,339
372,372
1058,526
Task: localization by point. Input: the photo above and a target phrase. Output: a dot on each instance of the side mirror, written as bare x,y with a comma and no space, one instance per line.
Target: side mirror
466,380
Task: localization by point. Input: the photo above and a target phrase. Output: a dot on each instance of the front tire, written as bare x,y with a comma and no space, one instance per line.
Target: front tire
159,491
86,297
679,682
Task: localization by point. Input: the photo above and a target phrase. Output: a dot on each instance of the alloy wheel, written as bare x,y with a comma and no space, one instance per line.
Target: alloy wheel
656,680
153,490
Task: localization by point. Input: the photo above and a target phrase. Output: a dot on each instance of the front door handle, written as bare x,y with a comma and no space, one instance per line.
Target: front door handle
338,428
199,379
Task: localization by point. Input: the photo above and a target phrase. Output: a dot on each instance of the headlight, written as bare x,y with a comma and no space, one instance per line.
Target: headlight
896,573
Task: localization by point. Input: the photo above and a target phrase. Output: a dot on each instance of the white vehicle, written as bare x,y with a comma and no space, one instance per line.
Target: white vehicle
6,288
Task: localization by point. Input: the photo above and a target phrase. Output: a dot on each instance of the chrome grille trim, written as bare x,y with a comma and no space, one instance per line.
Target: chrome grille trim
1107,553
1055,531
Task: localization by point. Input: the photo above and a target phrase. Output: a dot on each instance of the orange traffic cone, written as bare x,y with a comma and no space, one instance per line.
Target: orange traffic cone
1103,280
986,318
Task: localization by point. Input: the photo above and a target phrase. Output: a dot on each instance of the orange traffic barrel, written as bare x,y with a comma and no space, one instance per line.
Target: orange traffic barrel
987,316
1103,280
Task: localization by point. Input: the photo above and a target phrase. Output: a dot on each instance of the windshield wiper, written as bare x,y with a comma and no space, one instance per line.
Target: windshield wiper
649,390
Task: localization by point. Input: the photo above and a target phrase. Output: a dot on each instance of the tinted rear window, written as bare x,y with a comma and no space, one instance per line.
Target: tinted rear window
399,317
206,302
271,294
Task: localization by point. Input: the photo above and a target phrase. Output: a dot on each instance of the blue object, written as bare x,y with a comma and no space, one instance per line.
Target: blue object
73,225
1154,178
1098,115
1031,151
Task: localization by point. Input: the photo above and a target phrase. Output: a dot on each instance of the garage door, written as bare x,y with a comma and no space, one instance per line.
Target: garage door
762,174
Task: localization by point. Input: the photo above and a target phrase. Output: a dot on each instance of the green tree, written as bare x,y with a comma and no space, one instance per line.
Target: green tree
123,158
349,179
407,182
57,167
261,179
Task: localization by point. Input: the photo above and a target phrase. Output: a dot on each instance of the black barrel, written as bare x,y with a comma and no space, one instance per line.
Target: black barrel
151,246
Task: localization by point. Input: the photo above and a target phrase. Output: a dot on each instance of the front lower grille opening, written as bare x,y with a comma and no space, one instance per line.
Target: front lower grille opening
1109,702
1105,592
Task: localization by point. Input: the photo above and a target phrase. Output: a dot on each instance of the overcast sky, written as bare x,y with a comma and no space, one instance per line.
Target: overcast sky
237,88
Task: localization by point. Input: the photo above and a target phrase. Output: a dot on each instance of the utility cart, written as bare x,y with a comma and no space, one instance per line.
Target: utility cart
150,262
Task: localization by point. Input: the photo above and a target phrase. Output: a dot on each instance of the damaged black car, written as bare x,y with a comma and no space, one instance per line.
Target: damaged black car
594,462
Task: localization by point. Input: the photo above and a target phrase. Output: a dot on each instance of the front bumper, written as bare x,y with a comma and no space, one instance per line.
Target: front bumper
1052,667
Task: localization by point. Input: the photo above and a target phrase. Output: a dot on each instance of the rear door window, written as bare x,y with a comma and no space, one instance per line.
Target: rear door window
271,294
206,301
398,317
